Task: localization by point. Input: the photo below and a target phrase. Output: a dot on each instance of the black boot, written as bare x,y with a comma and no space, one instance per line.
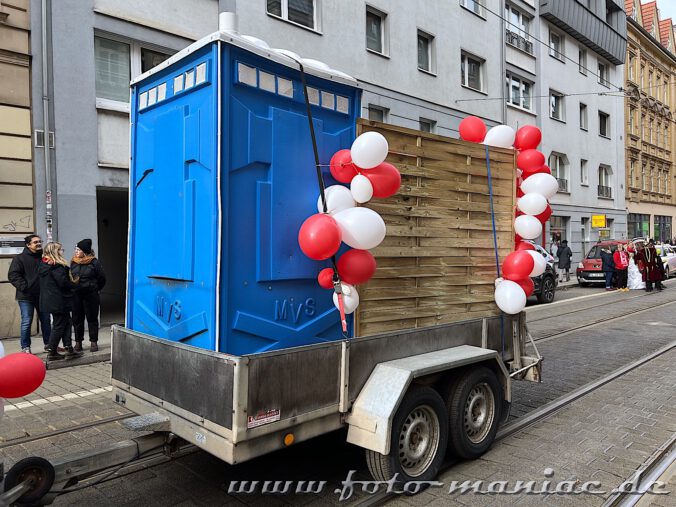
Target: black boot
78,346
72,354
53,356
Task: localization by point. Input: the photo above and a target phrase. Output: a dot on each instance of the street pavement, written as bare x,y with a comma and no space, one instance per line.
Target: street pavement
603,436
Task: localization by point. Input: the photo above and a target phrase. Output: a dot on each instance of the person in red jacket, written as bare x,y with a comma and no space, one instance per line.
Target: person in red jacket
621,259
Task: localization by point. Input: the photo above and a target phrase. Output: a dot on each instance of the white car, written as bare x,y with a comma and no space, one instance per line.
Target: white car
668,254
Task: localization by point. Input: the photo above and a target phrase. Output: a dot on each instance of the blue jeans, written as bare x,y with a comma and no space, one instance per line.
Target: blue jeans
27,311
609,279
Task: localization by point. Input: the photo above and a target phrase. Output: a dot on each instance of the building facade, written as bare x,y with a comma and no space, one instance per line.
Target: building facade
582,120
650,77
17,218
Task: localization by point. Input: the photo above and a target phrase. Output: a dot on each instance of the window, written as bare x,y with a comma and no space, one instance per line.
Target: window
558,228
375,31
603,74
632,121
642,75
471,70
150,59
583,116
659,182
519,92
632,63
556,106
426,125
473,6
658,133
666,92
582,61
605,186
666,137
518,29
556,48
557,163
644,178
652,179
643,127
650,83
632,173
662,228
113,69
604,124
638,225
301,12
650,130
584,177
426,52
377,113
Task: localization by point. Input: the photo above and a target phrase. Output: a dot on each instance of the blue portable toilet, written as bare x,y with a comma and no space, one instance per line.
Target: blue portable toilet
222,177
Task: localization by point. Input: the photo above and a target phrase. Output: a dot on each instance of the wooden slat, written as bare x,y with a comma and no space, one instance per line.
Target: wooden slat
437,263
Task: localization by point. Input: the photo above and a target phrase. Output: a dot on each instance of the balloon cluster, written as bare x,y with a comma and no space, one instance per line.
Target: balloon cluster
20,375
535,186
363,166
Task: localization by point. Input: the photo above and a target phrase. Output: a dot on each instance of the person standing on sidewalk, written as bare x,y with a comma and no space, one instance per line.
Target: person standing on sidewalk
86,301
648,260
608,267
621,259
56,294
23,275
565,254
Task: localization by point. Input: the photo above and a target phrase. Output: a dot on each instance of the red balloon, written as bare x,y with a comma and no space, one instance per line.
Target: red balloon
519,192
325,278
342,168
527,285
385,180
472,129
517,266
544,216
356,266
319,237
525,245
527,137
542,169
529,160
517,239
20,375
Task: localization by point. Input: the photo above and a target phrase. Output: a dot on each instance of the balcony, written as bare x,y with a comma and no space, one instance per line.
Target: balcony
563,184
606,192
518,41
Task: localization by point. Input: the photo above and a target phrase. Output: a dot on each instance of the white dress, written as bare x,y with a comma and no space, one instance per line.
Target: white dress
634,278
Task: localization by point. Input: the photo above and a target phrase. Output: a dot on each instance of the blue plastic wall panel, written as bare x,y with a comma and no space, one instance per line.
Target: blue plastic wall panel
172,282
270,298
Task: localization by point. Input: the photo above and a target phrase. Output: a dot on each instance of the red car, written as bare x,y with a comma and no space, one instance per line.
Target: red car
590,269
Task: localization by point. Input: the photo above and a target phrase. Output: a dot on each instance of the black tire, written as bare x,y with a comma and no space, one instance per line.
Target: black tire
583,284
547,291
422,410
666,273
36,468
479,396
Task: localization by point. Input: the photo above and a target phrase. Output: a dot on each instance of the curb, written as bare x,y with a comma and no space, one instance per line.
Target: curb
96,357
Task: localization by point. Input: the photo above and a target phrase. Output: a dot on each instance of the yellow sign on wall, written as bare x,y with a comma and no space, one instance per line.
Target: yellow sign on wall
598,221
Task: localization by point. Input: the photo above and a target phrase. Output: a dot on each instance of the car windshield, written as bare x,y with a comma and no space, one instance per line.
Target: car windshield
594,253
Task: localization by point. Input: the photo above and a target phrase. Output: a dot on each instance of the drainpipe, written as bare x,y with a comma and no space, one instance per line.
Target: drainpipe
227,15
503,63
50,215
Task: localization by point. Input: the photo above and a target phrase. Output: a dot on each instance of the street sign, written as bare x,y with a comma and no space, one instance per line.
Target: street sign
598,221
11,245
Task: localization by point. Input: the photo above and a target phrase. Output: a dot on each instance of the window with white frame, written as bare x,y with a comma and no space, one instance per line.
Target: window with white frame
603,74
584,176
519,92
650,130
556,45
426,125
300,12
631,65
473,6
658,133
376,30
377,113
644,178
604,124
113,69
632,173
556,106
582,61
426,52
471,71
632,121
605,188
151,58
583,116
518,29
557,163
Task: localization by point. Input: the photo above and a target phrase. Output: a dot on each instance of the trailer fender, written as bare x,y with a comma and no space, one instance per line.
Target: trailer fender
370,421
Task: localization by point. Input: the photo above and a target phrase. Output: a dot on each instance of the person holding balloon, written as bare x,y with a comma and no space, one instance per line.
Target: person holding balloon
56,295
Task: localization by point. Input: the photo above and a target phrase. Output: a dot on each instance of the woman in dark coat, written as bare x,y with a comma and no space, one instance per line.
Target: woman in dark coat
56,294
565,254
86,300
651,266
608,267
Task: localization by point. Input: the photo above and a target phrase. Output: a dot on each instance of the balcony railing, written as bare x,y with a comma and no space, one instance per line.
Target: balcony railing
605,192
563,184
519,41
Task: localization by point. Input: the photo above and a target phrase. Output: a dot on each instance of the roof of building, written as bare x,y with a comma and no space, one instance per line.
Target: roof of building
666,26
629,7
648,13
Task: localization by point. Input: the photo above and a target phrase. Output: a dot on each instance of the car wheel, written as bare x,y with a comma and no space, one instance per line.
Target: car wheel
548,290
666,273
583,284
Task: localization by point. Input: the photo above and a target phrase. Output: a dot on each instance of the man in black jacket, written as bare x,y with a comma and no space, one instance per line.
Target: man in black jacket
23,275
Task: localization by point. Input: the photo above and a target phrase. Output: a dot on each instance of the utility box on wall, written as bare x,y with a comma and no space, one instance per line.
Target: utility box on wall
222,177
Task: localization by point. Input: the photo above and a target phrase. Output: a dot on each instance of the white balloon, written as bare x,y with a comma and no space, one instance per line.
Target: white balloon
338,198
2,350
498,281
362,228
540,183
532,203
540,263
369,150
350,298
528,227
361,188
510,297
501,136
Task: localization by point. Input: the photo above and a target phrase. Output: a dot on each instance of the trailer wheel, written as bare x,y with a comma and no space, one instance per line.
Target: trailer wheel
419,439
39,471
474,409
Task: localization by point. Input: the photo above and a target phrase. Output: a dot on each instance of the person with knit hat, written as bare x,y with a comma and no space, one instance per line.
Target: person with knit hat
86,299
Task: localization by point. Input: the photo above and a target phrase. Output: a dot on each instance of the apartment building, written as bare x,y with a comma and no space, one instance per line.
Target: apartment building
649,75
